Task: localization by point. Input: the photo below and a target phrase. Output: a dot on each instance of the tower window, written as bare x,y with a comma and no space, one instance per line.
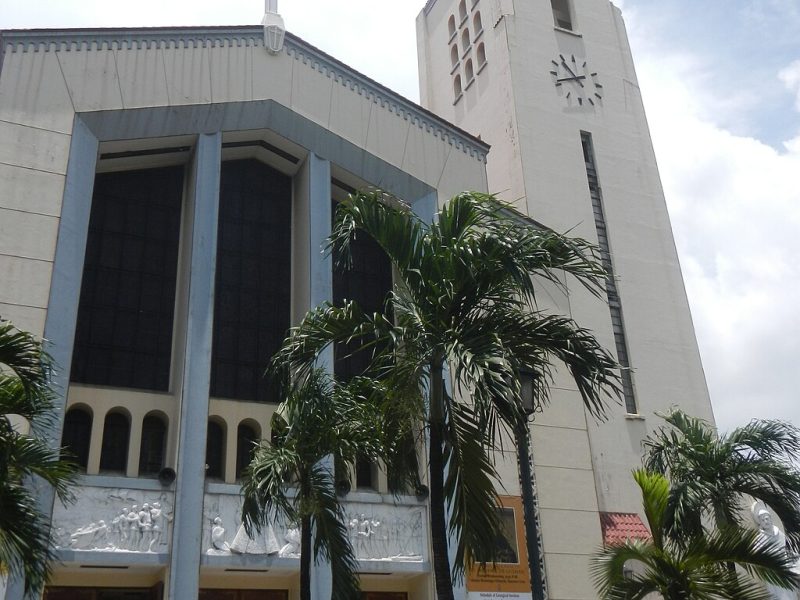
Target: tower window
215,450
462,10
457,87
77,435
469,72
451,25
481,54
154,441
114,451
562,15
454,55
465,40
477,24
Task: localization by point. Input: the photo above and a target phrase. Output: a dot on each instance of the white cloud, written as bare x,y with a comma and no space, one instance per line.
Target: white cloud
790,76
735,208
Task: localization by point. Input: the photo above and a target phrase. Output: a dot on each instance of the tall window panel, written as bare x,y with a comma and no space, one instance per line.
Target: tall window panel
114,451
251,303
124,329
368,283
154,442
614,301
76,436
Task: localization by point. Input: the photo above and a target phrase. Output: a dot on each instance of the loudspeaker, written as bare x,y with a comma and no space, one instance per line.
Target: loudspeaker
166,476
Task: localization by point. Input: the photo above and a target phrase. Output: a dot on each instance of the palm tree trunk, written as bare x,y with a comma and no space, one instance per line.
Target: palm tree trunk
441,560
305,558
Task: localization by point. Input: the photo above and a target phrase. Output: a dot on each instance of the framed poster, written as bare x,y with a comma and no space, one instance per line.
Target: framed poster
509,578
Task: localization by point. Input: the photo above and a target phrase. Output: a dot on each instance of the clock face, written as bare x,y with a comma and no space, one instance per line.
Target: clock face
575,81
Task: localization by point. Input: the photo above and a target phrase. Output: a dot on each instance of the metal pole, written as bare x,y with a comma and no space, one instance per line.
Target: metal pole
524,460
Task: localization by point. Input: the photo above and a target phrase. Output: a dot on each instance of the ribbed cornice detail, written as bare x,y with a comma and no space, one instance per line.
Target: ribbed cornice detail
86,40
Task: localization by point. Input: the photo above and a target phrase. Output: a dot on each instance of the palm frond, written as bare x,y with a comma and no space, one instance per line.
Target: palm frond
25,544
331,540
25,456
470,486
264,486
396,229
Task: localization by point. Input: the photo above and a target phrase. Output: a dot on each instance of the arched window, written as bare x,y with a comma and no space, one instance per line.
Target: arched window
365,473
451,25
462,10
477,24
77,435
154,441
215,450
457,86
465,40
469,72
481,53
114,451
246,439
454,55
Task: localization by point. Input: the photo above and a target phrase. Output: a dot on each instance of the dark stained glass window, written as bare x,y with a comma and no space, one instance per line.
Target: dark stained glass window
252,295
246,438
124,331
368,283
77,435
114,451
154,441
215,450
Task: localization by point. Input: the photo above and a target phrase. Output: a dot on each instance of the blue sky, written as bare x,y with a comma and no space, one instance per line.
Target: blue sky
721,85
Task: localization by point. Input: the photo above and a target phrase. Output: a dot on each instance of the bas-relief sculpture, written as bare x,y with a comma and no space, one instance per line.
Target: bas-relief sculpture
377,531
770,535
115,520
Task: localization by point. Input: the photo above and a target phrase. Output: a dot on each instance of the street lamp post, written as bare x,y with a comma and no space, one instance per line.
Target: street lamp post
524,461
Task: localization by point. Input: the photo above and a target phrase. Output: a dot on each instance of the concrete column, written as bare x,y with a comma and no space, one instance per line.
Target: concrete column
96,443
312,281
65,290
134,444
200,234
229,474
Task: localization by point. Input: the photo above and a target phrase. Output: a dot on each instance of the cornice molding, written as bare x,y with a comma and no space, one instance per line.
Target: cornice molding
83,40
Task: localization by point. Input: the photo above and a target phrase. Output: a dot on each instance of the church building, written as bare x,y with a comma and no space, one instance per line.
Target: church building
166,195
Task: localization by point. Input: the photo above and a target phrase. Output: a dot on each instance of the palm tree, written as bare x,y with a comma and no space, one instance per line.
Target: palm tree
25,542
317,420
463,297
688,569
712,474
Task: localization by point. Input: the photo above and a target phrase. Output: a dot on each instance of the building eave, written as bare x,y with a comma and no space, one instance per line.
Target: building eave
72,40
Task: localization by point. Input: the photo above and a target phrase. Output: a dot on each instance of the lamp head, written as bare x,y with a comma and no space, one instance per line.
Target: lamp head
527,389
274,28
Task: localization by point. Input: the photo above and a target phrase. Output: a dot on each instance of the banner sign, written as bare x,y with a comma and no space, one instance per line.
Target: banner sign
509,578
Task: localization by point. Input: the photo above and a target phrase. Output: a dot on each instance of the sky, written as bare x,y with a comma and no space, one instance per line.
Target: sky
721,86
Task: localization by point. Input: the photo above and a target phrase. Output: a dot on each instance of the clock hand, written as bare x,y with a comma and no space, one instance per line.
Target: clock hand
571,72
578,78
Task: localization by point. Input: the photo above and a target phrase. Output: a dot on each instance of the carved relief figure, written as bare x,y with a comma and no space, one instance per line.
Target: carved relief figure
291,549
131,528
770,535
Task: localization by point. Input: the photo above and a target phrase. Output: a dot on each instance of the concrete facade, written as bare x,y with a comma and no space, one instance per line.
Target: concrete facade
524,101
